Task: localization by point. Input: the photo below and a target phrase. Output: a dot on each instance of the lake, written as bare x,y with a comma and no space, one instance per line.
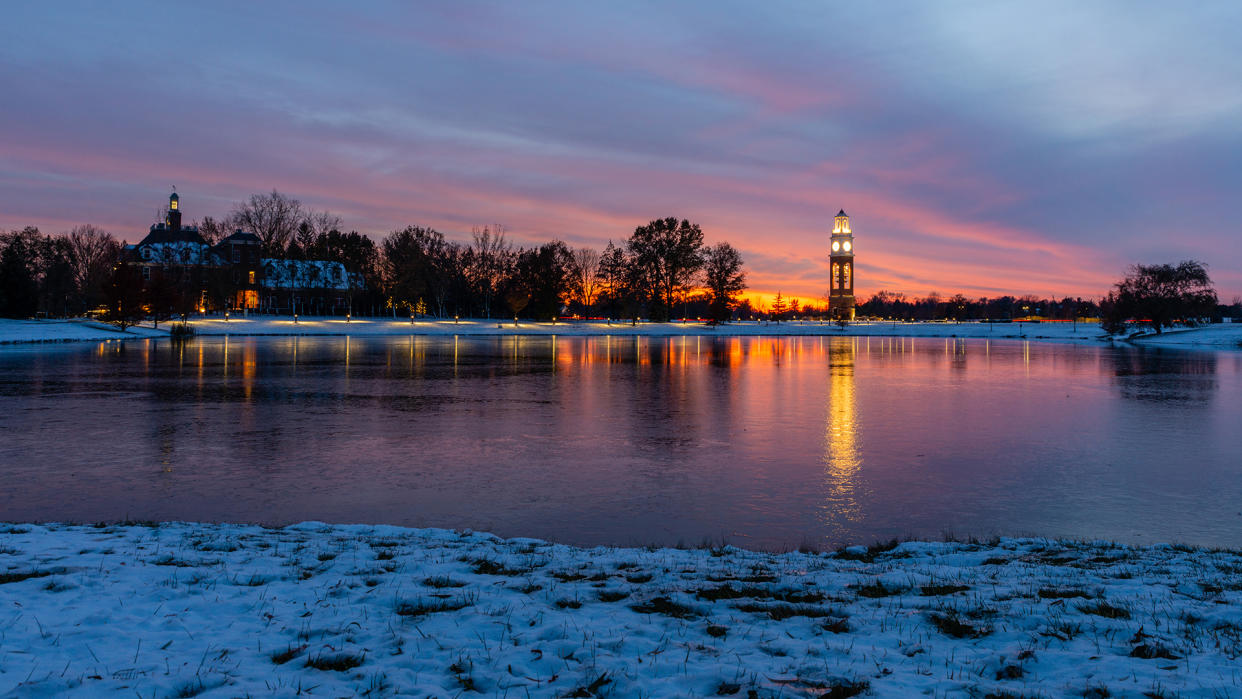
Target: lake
760,442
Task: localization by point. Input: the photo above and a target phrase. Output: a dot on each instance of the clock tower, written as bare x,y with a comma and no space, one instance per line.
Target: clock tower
841,290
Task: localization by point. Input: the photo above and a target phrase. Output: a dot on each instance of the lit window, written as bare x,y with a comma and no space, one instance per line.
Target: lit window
252,276
845,276
836,274
173,205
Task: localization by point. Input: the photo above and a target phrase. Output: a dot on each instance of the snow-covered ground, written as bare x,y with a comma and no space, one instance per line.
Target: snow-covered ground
12,331
374,326
226,610
1227,336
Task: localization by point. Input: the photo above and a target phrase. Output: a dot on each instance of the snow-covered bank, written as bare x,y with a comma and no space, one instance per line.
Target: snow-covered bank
76,330
1227,336
13,331
372,326
225,610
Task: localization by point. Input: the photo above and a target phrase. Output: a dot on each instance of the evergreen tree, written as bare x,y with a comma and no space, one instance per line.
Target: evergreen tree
411,264
19,287
779,308
543,275
57,291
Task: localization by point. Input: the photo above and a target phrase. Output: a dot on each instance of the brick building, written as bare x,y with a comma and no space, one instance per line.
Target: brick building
183,273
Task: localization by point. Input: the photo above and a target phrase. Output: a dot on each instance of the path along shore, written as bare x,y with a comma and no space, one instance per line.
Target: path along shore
1222,336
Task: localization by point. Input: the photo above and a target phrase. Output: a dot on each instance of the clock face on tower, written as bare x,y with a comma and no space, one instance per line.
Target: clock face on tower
841,287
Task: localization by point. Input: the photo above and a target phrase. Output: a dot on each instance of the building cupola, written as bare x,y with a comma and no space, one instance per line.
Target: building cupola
174,212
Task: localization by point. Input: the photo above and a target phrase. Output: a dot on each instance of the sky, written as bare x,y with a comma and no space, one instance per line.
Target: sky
979,147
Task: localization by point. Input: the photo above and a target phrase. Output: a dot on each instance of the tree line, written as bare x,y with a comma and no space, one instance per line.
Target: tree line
55,275
896,306
1153,296
661,271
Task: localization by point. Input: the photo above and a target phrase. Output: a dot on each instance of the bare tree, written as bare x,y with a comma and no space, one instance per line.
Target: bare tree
273,217
585,271
315,226
92,252
489,257
214,230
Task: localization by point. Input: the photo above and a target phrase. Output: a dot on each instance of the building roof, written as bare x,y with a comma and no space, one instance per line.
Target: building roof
161,233
178,252
841,212
242,238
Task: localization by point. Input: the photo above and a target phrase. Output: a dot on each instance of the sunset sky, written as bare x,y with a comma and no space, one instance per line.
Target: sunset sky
979,147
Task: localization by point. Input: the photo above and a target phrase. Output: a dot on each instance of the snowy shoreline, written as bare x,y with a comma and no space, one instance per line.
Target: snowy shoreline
179,609
1223,336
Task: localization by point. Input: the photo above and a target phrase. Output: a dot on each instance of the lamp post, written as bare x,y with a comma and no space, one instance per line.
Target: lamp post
295,319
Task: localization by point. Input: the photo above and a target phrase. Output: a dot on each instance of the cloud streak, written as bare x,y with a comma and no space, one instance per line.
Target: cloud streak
980,148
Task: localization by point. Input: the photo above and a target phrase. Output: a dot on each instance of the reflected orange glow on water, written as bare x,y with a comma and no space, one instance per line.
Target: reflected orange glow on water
841,457
765,441
250,365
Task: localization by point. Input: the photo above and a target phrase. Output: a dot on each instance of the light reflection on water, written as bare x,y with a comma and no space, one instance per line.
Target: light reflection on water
764,442
840,447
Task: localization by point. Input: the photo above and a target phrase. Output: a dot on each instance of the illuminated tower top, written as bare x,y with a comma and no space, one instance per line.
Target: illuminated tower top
174,212
842,238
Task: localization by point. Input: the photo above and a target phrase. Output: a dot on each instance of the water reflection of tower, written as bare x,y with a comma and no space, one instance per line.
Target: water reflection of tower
841,457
